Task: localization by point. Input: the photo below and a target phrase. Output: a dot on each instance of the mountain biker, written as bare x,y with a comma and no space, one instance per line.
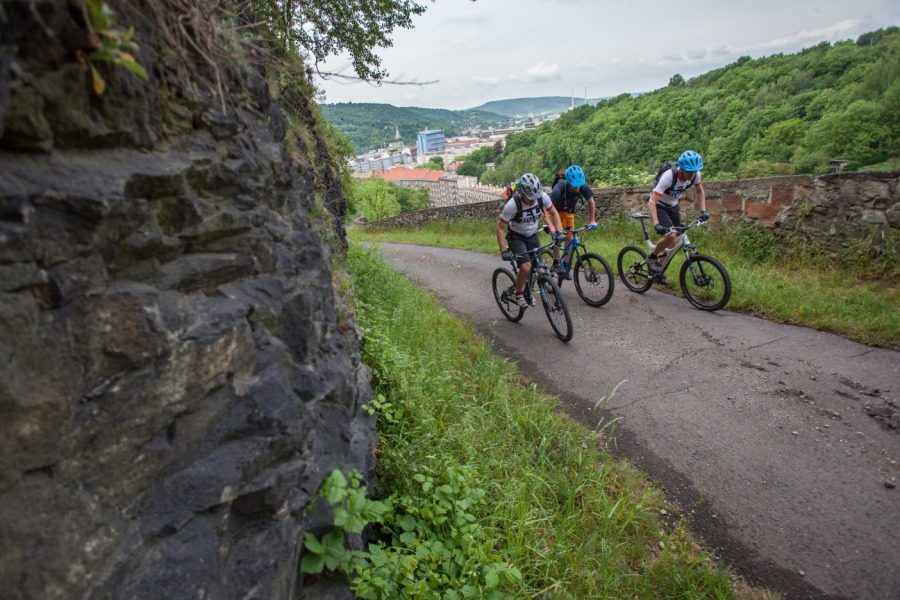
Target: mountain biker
663,203
565,196
517,226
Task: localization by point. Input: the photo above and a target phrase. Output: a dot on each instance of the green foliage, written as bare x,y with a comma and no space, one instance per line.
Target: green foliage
374,198
436,163
323,28
111,44
493,493
370,125
474,164
781,114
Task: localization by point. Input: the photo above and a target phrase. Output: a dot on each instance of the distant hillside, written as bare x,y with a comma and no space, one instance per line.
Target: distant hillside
370,125
777,115
543,105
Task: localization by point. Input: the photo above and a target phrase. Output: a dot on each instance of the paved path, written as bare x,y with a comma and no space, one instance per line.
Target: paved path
768,434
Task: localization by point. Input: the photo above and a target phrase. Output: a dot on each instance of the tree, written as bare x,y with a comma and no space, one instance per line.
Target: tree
376,199
322,28
676,80
436,163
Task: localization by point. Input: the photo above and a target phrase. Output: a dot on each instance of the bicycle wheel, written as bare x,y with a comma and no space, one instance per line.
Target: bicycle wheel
547,259
505,294
594,279
633,270
705,282
555,307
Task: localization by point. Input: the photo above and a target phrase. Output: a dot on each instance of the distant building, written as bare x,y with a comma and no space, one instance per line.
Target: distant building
444,189
431,140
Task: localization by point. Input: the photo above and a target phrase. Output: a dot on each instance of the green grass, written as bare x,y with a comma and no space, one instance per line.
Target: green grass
547,501
848,293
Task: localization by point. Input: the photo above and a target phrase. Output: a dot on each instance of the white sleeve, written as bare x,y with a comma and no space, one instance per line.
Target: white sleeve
509,210
665,182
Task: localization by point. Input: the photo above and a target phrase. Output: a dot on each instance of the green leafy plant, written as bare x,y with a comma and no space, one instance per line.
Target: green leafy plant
112,45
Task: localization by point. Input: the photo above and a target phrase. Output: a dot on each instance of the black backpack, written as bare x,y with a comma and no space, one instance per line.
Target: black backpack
518,198
556,177
670,166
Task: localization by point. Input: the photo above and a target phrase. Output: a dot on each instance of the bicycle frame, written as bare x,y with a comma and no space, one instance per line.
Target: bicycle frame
537,267
682,242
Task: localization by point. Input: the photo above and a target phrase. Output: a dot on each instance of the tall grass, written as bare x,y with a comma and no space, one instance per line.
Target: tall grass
557,508
847,291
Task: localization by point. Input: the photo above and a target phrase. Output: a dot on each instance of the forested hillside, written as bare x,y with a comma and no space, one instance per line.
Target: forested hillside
370,125
781,114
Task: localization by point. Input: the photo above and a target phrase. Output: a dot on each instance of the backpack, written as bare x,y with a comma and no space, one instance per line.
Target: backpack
670,166
556,177
518,216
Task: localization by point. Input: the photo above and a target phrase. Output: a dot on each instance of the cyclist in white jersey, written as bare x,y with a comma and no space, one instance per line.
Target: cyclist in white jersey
663,202
517,227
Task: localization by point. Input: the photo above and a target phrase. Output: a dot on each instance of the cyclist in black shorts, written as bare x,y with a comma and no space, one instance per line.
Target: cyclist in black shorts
663,203
517,227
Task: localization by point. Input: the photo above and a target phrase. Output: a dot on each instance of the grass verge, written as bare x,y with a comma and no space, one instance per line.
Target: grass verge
546,512
847,293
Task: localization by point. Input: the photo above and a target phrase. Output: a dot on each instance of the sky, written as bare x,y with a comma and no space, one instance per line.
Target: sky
497,49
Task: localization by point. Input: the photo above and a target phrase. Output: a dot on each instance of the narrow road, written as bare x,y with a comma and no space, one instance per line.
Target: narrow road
780,442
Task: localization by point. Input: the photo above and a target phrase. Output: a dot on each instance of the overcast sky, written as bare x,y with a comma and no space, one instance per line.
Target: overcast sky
496,49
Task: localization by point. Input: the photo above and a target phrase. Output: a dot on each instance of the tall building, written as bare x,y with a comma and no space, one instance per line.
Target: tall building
432,140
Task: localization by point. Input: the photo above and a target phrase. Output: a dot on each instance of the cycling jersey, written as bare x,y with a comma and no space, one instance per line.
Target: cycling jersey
665,182
527,224
565,199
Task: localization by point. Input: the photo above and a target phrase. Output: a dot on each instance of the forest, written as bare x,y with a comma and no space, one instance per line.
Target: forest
370,125
777,115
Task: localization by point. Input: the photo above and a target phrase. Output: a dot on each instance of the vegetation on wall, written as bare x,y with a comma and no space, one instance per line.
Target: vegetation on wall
777,115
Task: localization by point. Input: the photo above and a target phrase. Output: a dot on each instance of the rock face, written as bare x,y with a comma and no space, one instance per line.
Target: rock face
177,371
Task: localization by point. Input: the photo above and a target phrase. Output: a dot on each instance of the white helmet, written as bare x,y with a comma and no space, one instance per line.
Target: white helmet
530,186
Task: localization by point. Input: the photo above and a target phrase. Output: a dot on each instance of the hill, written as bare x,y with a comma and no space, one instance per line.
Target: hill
370,125
543,105
781,114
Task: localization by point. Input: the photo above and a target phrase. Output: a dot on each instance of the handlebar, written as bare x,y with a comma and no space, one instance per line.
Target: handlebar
534,253
695,223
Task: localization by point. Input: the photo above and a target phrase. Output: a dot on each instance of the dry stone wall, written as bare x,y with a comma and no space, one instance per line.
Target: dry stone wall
177,372
840,207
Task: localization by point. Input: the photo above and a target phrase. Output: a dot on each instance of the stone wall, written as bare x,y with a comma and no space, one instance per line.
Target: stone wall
177,371
843,207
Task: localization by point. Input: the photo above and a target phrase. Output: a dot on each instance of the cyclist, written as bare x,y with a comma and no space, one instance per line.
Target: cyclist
565,196
517,227
663,203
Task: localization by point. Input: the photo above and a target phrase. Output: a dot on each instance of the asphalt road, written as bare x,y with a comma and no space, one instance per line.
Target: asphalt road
774,439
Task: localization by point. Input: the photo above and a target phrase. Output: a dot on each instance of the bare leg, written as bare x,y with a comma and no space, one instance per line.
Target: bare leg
522,276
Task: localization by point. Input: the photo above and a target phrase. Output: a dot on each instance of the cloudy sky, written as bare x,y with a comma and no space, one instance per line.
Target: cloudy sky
495,49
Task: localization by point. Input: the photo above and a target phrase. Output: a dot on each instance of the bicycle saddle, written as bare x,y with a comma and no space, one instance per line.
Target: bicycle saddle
639,215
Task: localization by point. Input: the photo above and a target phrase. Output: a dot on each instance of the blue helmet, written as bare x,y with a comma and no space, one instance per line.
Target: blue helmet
575,176
690,161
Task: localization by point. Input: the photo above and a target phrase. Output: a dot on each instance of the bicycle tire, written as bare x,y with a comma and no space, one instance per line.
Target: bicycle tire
709,292
504,286
555,307
593,274
634,274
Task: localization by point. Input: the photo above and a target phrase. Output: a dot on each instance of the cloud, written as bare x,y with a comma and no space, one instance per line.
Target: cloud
541,72
488,80
839,29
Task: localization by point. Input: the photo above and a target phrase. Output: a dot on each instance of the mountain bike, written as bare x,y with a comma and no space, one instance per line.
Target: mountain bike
540,280
703,279
593,276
